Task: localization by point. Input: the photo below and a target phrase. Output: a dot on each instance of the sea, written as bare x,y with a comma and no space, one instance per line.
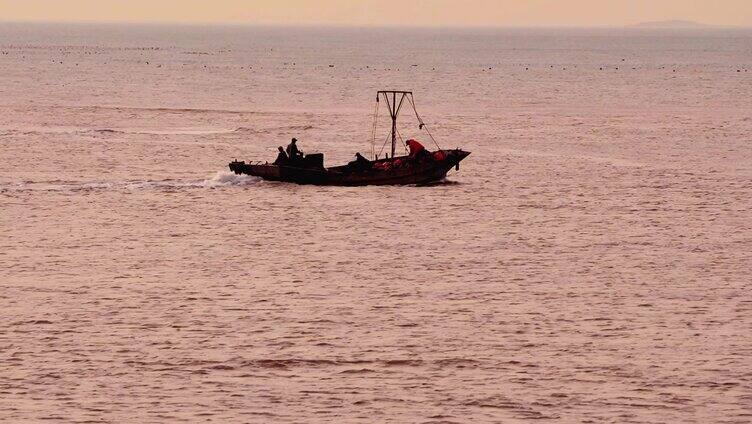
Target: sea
590,261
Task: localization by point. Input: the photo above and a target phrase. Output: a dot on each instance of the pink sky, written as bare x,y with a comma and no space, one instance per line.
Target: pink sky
384,12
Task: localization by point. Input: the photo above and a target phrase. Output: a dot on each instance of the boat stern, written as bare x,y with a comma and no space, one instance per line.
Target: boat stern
237,166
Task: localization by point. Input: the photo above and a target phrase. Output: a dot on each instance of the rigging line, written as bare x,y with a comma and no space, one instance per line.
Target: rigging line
388,136
373,133
420,121
400,104
386,140
403,141
389,106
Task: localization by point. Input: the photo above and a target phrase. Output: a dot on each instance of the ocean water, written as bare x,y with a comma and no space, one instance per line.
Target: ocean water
589,262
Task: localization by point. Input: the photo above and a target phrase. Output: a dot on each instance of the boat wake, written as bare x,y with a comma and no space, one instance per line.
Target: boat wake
219,180
226,178
442,182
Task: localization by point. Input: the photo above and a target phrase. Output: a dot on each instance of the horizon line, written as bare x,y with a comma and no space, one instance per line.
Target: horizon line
638,25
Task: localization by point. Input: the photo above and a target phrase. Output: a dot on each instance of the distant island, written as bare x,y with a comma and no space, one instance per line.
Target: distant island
673,24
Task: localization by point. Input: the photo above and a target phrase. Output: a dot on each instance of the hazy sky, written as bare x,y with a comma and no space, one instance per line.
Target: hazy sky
384,12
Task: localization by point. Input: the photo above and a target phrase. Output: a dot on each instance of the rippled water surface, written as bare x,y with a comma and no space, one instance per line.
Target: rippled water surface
590,261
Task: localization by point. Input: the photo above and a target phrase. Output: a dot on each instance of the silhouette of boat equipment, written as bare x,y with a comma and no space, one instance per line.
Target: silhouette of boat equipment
391,170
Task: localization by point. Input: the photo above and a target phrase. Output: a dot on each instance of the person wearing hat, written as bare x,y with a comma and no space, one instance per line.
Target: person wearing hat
292,150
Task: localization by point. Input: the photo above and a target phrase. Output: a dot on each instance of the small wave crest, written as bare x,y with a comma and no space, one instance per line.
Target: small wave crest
252,130
220,179
246,130
173,131
119,131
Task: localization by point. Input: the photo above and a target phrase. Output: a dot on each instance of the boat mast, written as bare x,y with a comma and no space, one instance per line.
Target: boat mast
394,124
394,109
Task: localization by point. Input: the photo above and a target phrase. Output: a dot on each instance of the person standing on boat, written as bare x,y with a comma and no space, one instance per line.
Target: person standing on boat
282,158
292,150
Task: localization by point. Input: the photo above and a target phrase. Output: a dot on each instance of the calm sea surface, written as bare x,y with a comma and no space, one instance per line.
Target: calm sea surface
590,262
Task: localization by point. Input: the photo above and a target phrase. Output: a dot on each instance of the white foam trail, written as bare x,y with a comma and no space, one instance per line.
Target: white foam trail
225,179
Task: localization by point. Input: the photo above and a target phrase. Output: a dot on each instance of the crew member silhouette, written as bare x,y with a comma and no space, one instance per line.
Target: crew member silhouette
281,157
292,151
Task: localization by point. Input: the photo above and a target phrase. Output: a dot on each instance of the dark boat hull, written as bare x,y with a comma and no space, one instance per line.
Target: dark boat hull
422,172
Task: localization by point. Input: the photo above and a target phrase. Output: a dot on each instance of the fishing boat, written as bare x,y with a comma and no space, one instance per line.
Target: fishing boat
424,168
